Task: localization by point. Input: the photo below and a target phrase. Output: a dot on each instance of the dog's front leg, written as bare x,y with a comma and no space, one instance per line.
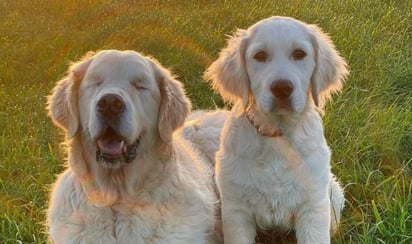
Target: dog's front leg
239,226
313,223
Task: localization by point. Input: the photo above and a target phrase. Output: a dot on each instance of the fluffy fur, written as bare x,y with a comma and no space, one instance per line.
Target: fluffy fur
273,166
166,193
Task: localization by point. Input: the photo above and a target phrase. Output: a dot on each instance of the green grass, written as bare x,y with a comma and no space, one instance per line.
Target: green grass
368,126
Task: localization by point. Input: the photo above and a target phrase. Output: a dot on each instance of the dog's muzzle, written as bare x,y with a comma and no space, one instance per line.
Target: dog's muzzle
112,151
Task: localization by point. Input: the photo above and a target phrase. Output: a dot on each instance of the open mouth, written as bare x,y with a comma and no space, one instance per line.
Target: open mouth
112,150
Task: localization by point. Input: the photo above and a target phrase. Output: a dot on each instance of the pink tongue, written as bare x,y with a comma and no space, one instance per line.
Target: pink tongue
110,146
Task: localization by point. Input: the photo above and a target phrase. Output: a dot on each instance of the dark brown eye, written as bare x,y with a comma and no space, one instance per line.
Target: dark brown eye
261,56
298,54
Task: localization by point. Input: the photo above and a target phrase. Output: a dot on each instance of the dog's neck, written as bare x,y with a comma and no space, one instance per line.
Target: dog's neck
263,125
274,125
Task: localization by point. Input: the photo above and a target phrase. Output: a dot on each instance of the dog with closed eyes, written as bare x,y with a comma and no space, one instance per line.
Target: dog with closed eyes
133,174
273,167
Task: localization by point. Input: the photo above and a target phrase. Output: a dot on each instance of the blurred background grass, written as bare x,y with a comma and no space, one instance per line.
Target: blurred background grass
368,126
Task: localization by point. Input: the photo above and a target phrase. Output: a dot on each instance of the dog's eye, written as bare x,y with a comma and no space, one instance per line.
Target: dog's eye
138,86
97,83
261,56
95,80
298,54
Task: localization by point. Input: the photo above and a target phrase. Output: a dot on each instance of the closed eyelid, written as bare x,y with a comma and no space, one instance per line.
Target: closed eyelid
138,83
94,80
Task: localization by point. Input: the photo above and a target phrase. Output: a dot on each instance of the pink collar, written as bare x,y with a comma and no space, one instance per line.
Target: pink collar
268,132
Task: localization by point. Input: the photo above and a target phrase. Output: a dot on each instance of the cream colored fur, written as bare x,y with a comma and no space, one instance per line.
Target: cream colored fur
167,194
281,183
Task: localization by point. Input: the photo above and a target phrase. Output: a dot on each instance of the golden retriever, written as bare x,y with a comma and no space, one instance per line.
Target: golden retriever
273,166
129,178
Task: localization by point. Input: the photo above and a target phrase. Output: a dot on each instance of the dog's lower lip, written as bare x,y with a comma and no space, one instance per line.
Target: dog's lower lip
110,156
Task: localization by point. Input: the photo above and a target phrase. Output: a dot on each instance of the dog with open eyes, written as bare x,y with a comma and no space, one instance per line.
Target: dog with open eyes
273,167
133,174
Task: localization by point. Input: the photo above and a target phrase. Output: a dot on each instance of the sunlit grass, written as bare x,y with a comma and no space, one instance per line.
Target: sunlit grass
368,126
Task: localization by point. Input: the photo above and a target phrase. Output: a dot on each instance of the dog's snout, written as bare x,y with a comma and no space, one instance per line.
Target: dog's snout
111,105
281,88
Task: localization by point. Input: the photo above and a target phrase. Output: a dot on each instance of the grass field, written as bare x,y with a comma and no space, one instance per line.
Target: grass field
368,126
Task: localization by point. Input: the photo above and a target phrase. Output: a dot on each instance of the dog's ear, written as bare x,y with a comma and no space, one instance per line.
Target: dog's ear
228,73
174,105
62,104
331,69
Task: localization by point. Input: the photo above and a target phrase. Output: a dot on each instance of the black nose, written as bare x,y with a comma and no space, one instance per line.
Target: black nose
110,105
281,88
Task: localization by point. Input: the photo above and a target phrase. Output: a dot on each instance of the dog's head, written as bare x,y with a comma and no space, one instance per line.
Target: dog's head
281,63
120,102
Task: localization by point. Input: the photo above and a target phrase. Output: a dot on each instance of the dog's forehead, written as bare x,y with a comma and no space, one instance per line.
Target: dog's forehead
279,30
119,61
127,64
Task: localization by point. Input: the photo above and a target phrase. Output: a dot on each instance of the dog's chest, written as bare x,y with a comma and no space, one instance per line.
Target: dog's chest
276,195
270,178
160,224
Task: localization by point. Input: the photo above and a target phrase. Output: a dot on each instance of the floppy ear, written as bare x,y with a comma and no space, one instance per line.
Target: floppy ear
63,102
174,105
331,69
228,73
